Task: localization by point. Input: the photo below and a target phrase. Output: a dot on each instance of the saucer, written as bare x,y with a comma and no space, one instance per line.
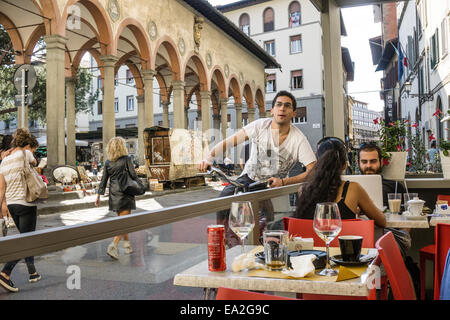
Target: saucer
319,263
363,260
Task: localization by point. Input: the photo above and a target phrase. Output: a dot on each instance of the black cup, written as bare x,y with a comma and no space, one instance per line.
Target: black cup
350,247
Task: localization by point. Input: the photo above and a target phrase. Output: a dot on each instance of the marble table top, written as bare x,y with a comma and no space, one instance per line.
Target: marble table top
401,221
199,276
441,219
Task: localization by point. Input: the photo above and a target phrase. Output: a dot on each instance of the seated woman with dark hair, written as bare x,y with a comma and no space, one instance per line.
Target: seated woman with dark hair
324,184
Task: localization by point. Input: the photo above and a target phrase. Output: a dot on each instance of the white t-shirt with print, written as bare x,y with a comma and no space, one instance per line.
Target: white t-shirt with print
267,159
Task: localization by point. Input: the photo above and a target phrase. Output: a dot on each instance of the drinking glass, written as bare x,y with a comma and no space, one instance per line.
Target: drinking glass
241,219
327,225
394,201
407,197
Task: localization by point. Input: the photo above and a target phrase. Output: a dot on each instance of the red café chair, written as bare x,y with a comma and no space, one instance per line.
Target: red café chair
428,253
304,228
397,274
364,228
442,242
235,294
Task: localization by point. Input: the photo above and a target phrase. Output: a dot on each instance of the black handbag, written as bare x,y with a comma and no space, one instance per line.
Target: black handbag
129,185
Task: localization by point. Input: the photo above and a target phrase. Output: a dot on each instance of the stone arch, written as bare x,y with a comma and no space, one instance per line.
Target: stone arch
100,16
141,37
248,95
137,77
259,99
233,85
220,81
174,56
14,36
49,9
201,70
37,33
80,53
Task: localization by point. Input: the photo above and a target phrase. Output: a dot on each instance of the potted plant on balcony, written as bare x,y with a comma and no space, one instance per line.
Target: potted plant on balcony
392,140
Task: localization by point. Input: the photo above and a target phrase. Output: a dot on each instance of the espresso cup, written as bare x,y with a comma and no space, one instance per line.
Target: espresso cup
350,247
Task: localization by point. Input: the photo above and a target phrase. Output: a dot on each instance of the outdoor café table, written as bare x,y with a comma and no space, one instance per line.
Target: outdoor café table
199,276
439,219
402,221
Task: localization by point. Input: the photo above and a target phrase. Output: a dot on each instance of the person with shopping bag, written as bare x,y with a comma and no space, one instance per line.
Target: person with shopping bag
21,204
124,185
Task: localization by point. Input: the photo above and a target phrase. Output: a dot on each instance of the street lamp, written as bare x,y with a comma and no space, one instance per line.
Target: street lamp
422,96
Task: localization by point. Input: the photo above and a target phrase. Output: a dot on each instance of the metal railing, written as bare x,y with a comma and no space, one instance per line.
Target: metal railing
54,239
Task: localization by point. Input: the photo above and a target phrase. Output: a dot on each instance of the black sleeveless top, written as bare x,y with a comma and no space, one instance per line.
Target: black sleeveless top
345,211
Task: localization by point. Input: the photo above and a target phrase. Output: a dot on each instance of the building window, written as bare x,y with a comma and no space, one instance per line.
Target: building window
129,76
269,17
271,83
297,79
244,23
434,49
99,107
300,116
294,14
99,83
116,79
116,105
444,36
270,47
130,103
296,44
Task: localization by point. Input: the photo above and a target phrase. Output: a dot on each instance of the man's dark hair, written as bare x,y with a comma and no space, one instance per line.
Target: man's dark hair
433,144
284,93
368,147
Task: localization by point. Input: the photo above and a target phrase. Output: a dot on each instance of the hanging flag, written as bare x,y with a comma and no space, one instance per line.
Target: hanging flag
400,61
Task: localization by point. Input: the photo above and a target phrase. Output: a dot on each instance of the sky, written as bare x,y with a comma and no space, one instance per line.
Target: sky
360,27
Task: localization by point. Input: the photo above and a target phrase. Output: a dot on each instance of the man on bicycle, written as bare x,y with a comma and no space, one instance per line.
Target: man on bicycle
276,146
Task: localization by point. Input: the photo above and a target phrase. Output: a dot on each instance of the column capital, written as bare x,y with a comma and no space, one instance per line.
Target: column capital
140,99
148,74
109,60
70,80
223,100
55,41
205,94
216,116
251,110
178,85
165,103
238,106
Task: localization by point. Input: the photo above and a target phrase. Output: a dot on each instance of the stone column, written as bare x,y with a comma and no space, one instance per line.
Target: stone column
165,115
148,95
216,126
70,118
223,116
238,107
332,57
268,114
141,127
55,84
251,114
205,97
186,119
109,115
178,104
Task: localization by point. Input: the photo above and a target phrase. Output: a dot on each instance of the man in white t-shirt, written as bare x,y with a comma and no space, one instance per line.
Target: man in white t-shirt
276,146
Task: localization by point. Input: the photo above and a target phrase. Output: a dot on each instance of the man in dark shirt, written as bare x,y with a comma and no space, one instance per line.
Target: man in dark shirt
370,162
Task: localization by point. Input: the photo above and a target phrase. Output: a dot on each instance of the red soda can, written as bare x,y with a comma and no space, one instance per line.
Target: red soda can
216,247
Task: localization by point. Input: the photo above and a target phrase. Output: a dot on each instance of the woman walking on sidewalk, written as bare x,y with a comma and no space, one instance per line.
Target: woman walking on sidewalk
118,161
24,213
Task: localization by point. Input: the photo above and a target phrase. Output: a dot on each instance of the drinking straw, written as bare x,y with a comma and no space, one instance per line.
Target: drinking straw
396,182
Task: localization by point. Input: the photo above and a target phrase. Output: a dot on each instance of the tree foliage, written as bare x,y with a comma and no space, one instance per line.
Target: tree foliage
84,98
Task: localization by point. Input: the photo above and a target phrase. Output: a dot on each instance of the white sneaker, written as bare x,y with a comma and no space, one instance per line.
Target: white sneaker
112,251
127,246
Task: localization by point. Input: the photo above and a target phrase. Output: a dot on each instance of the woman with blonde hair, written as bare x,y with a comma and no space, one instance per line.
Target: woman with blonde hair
122,203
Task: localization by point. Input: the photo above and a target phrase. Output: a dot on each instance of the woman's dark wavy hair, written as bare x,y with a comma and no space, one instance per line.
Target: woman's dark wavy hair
21,138
323,181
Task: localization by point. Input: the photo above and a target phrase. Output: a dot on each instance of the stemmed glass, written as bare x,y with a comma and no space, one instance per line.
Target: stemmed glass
327,225
241,219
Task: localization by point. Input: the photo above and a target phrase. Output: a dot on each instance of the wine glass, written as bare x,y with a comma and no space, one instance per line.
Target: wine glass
241,219
327,225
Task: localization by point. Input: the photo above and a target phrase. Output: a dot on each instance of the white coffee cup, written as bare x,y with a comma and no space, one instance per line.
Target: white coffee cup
415,206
